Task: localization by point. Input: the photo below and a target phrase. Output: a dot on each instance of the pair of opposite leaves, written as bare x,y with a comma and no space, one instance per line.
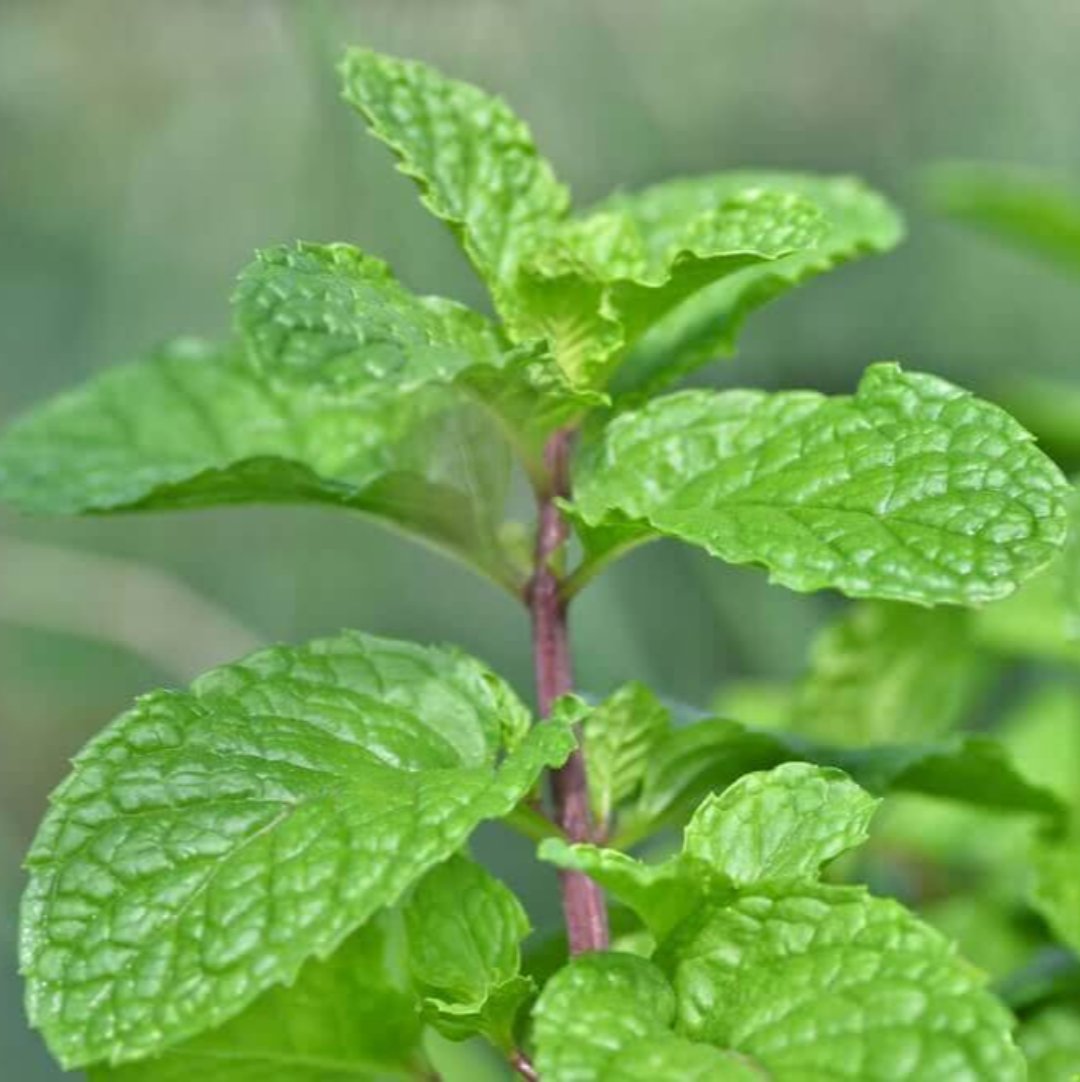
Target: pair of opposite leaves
212,845
344,388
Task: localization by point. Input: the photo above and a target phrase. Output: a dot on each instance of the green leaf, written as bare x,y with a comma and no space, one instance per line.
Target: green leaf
348,1017
208,843
596,284
609,1017
910,490
464,933
1033,210
813,981
341,319
784,824
618,737
799,979
859,223
711,754
1051,1044
196,425
474,161
886,673
336,317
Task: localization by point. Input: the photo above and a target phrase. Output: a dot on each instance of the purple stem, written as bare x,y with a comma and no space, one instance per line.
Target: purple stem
583,901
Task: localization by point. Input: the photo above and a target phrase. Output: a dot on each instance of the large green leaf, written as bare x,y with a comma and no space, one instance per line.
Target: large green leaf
346,1018
1034,210
464,932
910,490
858,222
597,284
608,1018
885,673
474,161
815,982
197,425
208,843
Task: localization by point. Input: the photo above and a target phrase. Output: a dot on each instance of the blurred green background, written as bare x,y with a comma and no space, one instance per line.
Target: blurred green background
146,148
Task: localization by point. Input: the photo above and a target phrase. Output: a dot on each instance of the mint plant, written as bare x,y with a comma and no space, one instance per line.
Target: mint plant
267,875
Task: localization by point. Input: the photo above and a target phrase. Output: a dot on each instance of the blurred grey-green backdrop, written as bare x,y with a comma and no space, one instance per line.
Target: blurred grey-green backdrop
147,147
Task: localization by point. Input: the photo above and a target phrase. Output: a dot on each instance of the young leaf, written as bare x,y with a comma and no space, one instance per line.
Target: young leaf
341,319
814,981
196,425
464,932
609,1017
910,490
784,824
210,842
474,161
1024,207
618,737
858,222
349,1014
597,284
886,673
333,316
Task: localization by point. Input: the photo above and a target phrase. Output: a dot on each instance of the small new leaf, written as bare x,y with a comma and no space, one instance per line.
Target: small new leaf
597,284
857,222
464,932
618,737
781,825
910,490
473,159
208,843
